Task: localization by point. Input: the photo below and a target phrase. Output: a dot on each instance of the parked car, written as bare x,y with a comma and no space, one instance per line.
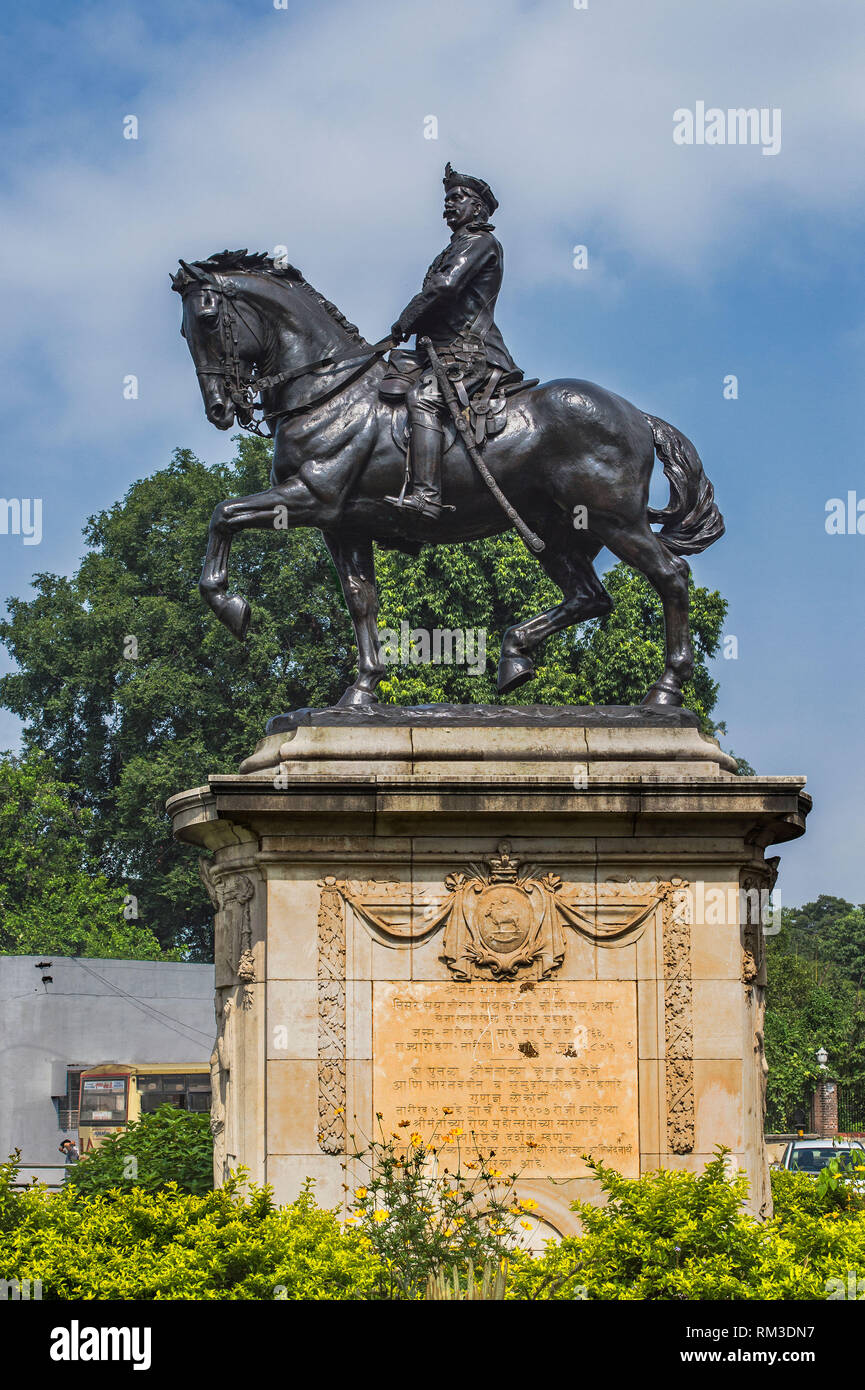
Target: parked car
812,1155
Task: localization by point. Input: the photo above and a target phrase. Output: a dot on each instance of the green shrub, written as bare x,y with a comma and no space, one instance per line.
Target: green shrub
167,1146
668,1235
173,1245
671,1235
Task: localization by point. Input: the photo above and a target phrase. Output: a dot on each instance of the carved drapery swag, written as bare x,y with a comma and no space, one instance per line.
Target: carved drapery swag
502,917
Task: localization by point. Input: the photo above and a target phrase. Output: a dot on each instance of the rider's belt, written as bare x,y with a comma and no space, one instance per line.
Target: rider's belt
468,351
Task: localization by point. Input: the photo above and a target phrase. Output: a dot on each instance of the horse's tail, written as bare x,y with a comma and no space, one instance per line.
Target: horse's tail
692,521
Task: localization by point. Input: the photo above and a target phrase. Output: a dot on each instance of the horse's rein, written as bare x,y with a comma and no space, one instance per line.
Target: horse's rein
243,392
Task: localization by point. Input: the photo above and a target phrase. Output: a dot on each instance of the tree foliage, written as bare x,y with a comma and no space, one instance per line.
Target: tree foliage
814,999
52,896
134,690
132,722
491,584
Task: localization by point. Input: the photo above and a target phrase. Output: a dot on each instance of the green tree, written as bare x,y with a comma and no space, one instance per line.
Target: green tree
806,927
809,1005
136,692
52,896
843,942
815,967
492,584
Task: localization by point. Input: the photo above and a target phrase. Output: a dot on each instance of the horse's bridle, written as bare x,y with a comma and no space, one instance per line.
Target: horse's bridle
242,389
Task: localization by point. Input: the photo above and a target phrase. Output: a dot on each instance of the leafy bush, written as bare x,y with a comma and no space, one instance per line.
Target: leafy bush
671,1235
169,1146
173,1245
668,1235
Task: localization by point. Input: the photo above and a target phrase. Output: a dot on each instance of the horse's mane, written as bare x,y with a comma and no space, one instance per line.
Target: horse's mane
222,262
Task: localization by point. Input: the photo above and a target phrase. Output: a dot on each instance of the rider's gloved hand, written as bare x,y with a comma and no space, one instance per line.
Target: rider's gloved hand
398,333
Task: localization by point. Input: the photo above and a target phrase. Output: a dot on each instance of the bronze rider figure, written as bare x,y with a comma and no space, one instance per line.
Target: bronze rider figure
455,310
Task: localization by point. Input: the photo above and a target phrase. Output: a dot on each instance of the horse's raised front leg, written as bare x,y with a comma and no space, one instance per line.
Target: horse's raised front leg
355,565
280,506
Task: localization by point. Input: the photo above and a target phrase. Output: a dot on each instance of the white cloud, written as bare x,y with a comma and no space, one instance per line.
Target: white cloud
310,133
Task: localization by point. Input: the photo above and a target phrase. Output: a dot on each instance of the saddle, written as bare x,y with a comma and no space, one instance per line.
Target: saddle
486,407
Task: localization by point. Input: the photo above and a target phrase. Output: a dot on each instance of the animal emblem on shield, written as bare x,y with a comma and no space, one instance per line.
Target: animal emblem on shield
503,919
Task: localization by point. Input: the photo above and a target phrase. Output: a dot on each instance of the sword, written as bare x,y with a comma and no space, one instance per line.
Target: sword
532,540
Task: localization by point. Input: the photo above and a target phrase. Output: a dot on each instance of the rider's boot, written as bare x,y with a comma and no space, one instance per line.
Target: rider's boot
424,496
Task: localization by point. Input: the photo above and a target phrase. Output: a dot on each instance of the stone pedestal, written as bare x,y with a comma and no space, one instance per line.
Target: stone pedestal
546,920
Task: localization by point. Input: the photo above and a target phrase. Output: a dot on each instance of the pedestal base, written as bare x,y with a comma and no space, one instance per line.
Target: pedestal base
548,922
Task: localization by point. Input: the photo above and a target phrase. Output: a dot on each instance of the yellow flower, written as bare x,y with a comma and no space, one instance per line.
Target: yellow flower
404,1124
526,1225
416,1139
380,1215
528,1203
351,1221
457,1130
360,1193
340,1111
494,1173
447,1110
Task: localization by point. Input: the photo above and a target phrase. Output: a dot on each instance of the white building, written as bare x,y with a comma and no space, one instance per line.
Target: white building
60,1015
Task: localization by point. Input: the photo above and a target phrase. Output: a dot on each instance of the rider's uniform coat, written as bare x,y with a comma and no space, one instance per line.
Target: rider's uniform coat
456,305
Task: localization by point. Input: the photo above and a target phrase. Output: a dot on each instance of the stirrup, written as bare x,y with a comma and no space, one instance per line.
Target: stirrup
413,503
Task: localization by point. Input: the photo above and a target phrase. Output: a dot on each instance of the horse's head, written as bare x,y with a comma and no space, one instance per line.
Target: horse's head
243,311
222,361
225,342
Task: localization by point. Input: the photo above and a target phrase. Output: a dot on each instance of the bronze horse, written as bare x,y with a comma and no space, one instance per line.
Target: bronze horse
574,460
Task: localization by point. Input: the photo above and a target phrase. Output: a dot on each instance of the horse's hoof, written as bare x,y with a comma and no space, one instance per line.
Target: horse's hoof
514,671
235,614
356,699
663,695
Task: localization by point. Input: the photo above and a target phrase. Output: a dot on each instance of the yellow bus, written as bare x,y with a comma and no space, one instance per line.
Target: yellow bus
114,1094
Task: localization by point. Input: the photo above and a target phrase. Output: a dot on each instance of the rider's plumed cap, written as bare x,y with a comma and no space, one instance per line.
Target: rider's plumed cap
453,180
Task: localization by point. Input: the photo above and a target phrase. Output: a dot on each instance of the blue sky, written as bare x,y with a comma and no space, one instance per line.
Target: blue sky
305,127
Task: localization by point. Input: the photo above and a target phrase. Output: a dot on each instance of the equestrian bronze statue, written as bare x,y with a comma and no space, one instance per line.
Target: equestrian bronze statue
444,443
